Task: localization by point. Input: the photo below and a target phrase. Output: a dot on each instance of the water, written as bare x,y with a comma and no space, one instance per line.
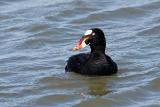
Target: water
36,38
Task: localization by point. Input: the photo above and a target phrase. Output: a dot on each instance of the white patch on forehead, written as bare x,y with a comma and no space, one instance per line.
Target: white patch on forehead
88,32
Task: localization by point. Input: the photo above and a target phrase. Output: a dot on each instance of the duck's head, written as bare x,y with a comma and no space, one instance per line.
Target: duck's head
94,38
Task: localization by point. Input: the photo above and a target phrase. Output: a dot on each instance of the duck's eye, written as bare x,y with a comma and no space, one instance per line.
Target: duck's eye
93,34
87,41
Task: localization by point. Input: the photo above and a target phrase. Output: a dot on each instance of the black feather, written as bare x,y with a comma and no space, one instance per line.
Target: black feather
95,63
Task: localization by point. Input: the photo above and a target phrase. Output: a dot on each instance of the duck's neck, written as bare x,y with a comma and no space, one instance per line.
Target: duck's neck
97,50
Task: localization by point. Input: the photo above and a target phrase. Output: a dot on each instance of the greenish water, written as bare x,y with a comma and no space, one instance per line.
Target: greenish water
36,38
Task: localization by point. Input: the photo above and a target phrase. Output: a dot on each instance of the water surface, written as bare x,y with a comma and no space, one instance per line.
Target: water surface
36,38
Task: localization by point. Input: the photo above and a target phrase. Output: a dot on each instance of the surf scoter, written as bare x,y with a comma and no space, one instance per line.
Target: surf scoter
96,62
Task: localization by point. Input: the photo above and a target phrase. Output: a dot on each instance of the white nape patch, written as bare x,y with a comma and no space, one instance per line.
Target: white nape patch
88,32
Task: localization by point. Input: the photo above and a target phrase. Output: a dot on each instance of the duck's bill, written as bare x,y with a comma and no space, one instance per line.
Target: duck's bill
80,44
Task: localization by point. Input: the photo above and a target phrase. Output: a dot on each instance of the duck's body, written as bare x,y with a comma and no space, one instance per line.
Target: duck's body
85,64
95,63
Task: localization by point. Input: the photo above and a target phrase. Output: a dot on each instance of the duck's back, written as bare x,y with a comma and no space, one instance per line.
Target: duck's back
100,65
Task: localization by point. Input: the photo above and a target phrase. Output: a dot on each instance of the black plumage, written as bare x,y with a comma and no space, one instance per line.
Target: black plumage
96,62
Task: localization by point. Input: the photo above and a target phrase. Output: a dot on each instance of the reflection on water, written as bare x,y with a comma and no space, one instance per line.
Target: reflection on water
98,87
